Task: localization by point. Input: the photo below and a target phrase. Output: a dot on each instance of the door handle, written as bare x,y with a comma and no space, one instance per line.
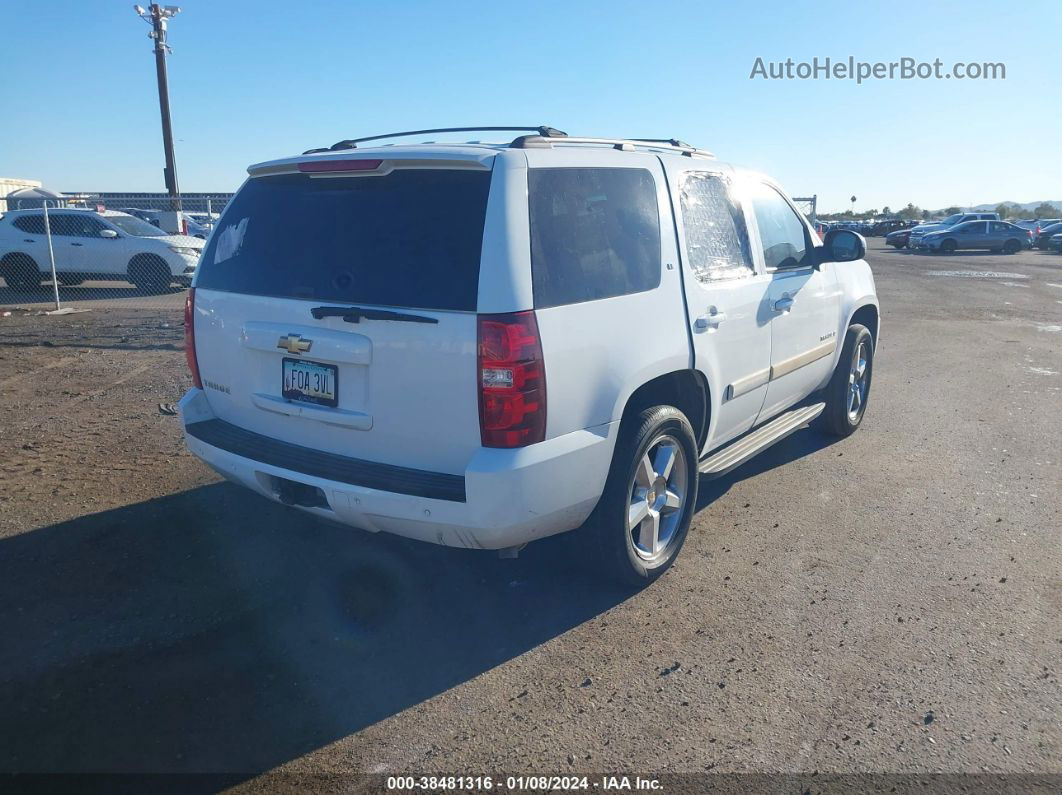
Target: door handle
75,244
783,304
711,320
28,240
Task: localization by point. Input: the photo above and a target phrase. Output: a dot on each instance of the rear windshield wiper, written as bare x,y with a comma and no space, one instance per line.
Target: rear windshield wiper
354,314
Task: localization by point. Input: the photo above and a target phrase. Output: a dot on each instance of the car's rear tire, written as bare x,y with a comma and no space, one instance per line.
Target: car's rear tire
20,271
149,273
641,521
948,247
1011,247
849,389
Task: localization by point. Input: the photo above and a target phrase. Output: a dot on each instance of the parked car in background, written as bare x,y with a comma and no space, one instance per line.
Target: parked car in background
106,245
882,228
460,387
194,223
151,216
1055,243
991,235
915,239
1042,232
898,238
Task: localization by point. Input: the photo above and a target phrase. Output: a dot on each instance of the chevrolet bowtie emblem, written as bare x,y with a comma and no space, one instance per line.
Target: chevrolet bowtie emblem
294,343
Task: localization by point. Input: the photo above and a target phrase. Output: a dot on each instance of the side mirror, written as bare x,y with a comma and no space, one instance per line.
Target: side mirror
108,233
842,245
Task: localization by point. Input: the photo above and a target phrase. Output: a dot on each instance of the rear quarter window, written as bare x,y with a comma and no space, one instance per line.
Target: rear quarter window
595,233
410,238
31,224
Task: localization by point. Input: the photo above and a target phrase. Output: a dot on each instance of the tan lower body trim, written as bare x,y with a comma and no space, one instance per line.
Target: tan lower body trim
755,380
750,382
802,359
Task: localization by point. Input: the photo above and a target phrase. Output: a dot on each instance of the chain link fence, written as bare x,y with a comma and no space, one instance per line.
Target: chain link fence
109,250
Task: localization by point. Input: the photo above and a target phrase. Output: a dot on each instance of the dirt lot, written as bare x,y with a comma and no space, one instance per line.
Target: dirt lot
891,602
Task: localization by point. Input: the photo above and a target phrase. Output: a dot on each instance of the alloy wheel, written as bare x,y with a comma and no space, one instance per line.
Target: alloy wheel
857,382
657,495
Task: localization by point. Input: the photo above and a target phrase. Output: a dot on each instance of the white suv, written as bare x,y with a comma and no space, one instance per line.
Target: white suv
480,345
93,245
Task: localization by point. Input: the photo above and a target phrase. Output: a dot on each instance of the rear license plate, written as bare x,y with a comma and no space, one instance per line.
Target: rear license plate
310,382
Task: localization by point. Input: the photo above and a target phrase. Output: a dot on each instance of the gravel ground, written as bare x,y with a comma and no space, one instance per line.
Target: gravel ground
886,603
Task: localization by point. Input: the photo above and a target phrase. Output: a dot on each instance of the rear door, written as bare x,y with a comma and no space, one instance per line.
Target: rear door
337,310
999,233
726,299
67,244
25,234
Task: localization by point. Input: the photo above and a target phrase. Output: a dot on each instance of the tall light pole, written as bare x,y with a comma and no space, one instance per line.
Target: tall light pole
158,16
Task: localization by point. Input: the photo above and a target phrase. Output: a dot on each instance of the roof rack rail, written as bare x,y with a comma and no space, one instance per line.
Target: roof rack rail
352,143
669,141
622,144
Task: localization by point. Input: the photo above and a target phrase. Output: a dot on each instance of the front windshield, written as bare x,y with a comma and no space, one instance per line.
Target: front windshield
952,219
134,226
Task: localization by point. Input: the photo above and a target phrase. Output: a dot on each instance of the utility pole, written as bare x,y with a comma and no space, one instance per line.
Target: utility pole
158,16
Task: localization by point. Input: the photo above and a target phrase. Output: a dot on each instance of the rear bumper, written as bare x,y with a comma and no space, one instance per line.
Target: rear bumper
510,497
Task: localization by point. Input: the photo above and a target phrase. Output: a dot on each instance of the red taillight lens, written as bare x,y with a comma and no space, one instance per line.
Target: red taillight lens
189,337
512,381
324,166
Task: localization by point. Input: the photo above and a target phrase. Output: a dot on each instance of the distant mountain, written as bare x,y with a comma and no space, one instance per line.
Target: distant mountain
1024,205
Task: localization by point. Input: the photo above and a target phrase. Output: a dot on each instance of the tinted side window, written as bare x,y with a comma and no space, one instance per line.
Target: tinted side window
717,242
595,233
782,234
32,224
70,225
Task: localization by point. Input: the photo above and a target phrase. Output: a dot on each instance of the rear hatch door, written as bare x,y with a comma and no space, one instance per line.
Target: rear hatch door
336,310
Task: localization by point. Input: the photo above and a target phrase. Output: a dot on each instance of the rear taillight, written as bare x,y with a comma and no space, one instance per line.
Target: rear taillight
512,380
189,337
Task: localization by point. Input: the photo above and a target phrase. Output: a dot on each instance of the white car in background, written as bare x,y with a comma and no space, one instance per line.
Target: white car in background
106,245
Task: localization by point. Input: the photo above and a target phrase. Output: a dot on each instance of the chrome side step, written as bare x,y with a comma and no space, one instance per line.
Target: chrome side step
737,453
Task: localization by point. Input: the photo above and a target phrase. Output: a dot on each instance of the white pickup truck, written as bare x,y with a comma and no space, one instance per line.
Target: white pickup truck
480,344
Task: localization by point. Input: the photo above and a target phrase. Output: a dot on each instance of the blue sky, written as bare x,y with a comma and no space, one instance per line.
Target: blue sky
253,81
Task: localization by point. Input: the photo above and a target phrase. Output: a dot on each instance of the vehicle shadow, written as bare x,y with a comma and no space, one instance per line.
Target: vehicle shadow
803,442
215,631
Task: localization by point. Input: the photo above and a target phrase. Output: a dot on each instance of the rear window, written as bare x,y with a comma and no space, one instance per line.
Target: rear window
411,238
595,233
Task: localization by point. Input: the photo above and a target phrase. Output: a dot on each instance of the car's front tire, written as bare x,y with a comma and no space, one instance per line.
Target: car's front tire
948,247
849,389
641,521
149,273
